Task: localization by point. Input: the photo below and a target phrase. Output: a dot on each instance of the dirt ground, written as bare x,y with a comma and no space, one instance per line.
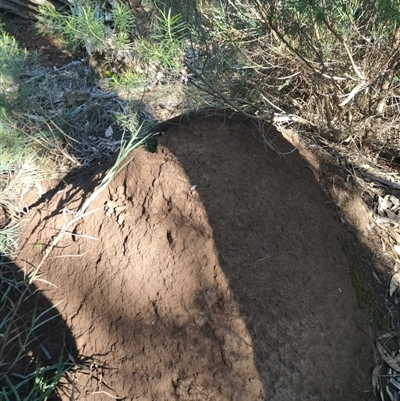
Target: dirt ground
208,270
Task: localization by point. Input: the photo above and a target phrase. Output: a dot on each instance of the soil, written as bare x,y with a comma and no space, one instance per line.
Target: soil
208,270
48,50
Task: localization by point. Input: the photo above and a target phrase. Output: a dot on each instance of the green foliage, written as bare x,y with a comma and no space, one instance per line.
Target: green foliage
128,82
165,47
83,27
10,54
86,25
11,65
165,54
14,146
388,12
128,122
123,22
169,27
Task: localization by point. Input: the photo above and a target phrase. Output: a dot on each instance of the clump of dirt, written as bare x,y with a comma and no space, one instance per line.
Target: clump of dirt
208,270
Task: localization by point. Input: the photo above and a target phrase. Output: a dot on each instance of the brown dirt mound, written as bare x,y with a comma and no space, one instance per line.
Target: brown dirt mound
236,289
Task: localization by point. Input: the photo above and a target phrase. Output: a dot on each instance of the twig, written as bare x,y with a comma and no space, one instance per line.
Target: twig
343,42
383,181
354,92
291,117
108,394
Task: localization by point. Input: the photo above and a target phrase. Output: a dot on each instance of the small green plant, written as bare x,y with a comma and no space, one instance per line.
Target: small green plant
128,82
87,26
36,386
170,27
166,48
21,165
123,23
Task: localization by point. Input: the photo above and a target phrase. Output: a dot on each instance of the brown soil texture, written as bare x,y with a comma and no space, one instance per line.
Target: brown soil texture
216,273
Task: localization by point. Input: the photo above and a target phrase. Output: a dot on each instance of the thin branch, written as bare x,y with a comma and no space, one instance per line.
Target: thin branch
343,42
388,76
215,92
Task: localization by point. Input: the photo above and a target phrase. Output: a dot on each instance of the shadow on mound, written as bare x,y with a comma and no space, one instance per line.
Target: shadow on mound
281,248
36,346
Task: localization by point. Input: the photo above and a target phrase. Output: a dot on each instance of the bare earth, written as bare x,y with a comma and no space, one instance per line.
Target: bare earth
218,275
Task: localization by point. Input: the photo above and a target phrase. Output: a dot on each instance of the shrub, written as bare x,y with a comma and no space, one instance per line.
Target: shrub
334,63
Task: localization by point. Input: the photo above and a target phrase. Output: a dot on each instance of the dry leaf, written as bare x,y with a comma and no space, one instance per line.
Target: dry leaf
394,200
385,355
375,378
395,235
382,206
395,383
376,277
394,283
109,132
390,214
390,394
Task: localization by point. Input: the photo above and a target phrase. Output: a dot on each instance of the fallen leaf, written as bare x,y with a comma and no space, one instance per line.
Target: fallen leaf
376,277
394,283
392,362
390,394
382,206
394,200
395,383
109,132
395,235
375,379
